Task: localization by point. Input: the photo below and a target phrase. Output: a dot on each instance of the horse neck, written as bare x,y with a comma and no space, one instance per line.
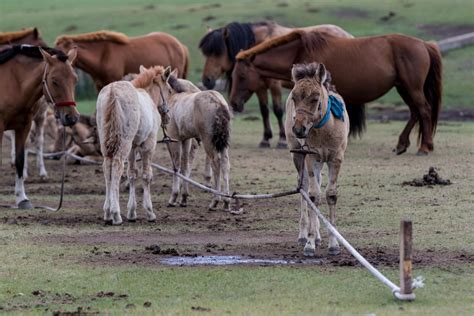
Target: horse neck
30,74
268,31
89,59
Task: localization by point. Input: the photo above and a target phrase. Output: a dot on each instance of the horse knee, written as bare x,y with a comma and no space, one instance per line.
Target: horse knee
331,196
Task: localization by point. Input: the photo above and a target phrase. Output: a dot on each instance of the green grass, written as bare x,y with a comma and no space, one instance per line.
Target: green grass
186,20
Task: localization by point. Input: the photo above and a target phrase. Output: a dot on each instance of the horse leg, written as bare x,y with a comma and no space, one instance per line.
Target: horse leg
331,198
298,160
404,139
20,140
225,170
175,153
107,168
147,176
314,174
267,128
39,143
11,135
207,172
275,90
186,170
132,173
117,171
216,172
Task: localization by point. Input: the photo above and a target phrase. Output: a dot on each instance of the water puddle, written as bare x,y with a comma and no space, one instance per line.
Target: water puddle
230,260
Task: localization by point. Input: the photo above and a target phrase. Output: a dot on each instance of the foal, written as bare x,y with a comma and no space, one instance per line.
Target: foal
127,122
202,115
316,116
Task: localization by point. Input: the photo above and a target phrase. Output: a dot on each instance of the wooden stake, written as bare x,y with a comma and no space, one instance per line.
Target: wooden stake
405,256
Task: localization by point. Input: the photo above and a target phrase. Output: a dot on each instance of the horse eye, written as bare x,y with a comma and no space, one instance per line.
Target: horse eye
55,83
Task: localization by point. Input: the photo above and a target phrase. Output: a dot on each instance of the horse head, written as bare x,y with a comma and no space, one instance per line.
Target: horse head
59,82
245,81
214,48
309,96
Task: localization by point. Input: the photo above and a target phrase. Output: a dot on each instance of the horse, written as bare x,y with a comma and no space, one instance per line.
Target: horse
107,56
363,70
316,117
202,115
29,36
28,73
220,46
128,119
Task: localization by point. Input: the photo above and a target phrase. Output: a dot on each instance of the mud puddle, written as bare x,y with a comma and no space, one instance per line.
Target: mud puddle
232,260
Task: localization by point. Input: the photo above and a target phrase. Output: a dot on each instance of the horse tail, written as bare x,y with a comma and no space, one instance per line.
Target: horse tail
356,119
112,125
221,128
433,87
186,62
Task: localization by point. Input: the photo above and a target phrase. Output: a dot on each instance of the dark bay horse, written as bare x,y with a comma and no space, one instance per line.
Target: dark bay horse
220,46
108,56
363,69
26,73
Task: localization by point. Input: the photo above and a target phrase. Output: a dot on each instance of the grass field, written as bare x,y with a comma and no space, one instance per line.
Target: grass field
188,20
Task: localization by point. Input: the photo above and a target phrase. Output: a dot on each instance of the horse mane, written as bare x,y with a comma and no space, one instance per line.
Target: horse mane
7,37
98,36
311,41
30,51
144,79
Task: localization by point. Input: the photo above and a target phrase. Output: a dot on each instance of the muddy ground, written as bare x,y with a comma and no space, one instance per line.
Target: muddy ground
267,229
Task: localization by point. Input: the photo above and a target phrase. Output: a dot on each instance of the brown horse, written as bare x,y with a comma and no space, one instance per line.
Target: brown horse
26,73
220,46
363,70
108,56
30,36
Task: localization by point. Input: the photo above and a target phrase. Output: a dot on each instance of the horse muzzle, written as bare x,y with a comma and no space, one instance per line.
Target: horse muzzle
69,119
208,82
300,131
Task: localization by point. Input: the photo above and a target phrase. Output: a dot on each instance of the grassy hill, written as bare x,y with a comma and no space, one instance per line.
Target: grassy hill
188,20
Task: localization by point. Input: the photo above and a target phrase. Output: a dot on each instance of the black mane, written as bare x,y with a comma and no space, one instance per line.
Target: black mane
29,51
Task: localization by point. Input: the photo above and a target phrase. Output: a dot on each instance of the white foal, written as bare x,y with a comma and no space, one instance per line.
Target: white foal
128,119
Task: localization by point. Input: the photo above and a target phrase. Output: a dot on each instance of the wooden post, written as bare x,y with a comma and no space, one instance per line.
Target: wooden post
405,256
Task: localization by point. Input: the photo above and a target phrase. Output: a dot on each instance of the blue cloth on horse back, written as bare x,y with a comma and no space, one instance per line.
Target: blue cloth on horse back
336,107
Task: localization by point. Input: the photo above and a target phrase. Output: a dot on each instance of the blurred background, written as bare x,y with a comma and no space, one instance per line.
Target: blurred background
188,20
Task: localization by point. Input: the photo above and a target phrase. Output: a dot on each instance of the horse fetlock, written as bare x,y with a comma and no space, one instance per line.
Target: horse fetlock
331,197
184,200
151,216
172,200
116,219
309,249
264,144
213,205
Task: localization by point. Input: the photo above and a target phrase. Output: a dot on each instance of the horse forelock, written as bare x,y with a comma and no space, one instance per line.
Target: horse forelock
111,36
7,37
309,72
212,44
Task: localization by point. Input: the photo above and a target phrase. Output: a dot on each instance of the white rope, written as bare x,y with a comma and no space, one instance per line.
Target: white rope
418,282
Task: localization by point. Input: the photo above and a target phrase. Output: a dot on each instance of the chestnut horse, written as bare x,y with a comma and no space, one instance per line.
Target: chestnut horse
26,73
363,70
220,46
108,56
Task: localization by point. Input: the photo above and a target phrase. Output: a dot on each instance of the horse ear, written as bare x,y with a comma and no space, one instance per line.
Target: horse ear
36,33
47,57
142,69
167,72
225,33
322,73
71,55
209,29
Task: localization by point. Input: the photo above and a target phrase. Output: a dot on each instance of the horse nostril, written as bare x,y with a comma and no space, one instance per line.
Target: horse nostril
208,82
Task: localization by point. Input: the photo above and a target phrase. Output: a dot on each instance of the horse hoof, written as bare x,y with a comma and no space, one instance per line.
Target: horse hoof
131,220
302,241
421,153
171,204
400,151
309,252
153,220
264,144
334,251
282,145
117,223
108,222
183,204
25,205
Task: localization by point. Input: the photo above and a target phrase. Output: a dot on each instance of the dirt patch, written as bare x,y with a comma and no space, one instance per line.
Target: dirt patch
401,113
350,13
429,179
441,31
